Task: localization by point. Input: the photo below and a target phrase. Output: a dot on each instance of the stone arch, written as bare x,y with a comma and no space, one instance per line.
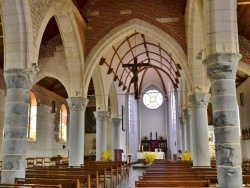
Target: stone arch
196,44
113,101
244,67
19,46
126,29
101,98
67,18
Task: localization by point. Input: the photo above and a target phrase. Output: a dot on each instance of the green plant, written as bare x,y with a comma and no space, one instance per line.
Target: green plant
106,156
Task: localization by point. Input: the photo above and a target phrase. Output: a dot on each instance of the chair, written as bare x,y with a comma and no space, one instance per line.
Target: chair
39,161
30,162
46,161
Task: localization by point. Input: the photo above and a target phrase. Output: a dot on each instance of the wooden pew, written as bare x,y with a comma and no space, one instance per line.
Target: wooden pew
83,179
65,183
113,165
94,173
172,183
165,178
17,185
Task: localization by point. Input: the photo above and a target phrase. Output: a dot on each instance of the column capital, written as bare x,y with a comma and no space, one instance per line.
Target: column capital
199,100
19,78
101,115
222,66
77,103
115,121
186,114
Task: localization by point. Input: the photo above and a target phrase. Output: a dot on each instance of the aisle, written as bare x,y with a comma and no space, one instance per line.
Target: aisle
132,177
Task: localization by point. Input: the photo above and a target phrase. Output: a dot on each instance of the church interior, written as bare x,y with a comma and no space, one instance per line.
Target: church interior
88,81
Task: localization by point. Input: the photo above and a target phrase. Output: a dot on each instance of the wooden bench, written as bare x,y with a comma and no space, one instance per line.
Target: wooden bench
119,171
83,179
164,178
65,183
17,185
172,183
94,173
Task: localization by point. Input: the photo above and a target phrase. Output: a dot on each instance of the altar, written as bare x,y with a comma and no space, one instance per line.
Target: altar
159,155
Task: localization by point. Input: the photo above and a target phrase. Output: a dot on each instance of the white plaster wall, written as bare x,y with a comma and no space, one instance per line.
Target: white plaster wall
244,112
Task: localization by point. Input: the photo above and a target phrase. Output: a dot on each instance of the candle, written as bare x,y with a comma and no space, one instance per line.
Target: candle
142,148
139,147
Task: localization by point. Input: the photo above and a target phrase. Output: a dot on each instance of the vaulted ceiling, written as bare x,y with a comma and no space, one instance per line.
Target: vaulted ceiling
145,49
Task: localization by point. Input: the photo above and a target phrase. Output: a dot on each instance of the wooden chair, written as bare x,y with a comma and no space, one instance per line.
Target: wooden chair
39,161
30,162
46,161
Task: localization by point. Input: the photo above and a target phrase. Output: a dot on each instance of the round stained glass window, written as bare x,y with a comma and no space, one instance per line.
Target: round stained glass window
152,99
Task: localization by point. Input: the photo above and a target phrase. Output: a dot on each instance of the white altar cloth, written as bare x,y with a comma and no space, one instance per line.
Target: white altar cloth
159,155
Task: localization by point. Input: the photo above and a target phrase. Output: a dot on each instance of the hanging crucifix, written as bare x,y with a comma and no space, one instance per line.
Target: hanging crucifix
134,68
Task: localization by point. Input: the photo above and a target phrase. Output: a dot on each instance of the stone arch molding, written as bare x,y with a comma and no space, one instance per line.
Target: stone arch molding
244,68
65,12
196,43
128,28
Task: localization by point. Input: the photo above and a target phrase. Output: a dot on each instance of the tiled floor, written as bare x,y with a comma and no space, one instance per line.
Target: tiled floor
129,182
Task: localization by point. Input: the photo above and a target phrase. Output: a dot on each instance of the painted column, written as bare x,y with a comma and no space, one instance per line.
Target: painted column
77,106
116,122
222,71
18,84
198,104
188,136
101,124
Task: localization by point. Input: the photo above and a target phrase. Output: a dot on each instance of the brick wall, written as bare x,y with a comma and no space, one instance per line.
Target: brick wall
244,46
105,15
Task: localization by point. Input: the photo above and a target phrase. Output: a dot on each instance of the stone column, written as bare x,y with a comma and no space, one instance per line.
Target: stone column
77,106
18,84
198,103
101,124
222,71
116,122
188,136
183,141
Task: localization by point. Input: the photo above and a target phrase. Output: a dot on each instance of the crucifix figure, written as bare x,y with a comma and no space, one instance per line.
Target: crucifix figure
134,68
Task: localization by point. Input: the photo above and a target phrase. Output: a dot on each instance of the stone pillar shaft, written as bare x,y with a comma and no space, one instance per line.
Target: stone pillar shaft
188,137
198,104
222,71
77,106
18,83
115,133
101,124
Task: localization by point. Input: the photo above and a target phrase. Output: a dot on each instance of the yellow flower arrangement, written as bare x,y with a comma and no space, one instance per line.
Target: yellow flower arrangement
106,156
186,156
149,157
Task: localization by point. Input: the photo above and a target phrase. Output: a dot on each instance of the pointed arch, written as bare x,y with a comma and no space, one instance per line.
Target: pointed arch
126,29
68,19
